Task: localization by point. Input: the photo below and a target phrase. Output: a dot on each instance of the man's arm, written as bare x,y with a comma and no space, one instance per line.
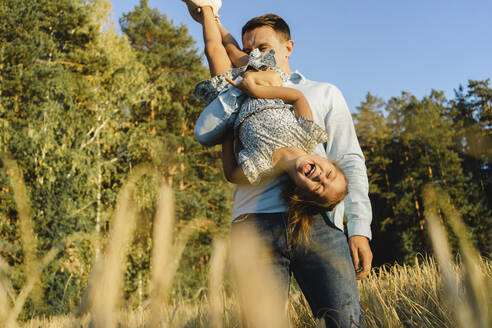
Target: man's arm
343,147
233,172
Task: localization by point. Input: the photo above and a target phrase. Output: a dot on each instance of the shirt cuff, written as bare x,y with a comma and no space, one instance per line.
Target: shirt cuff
359,227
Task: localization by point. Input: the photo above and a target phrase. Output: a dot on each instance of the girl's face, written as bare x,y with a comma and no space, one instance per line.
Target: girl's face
318,178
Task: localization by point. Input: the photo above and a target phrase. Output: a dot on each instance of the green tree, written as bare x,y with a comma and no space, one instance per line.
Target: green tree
66,89
164,136
375,139
409,143
470,112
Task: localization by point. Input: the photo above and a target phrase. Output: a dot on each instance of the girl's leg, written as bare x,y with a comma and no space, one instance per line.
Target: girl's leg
218,60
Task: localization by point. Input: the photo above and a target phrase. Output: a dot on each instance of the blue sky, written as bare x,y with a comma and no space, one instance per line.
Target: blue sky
382,47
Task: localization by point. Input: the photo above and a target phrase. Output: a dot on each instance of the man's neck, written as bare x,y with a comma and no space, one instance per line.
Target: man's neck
286,69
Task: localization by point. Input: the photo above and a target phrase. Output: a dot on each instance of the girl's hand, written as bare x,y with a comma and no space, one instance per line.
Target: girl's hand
247,86
264,78
254,84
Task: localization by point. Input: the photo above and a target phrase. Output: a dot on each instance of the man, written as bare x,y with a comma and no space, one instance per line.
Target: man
325,267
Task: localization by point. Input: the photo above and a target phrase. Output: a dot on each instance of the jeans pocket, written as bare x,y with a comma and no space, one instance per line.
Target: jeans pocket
328,222
241,218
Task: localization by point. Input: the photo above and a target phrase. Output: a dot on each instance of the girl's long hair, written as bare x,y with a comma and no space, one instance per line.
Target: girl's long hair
300,211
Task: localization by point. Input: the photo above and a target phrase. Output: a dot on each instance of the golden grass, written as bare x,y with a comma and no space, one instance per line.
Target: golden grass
397,296
257,287
431,293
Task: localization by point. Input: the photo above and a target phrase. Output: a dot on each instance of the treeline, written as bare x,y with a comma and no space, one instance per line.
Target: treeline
82,106
410,143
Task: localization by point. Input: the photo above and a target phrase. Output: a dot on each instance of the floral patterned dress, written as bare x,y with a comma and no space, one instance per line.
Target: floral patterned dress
262,126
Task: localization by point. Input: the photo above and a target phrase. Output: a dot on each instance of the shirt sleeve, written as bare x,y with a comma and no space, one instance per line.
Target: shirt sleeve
343,147
209,89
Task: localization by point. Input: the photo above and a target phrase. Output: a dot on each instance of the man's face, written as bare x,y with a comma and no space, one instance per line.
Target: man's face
265,38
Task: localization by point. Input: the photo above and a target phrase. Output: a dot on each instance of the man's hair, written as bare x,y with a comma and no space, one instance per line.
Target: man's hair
274,21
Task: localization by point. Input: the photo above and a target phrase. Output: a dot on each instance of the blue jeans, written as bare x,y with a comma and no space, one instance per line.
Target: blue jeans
323,268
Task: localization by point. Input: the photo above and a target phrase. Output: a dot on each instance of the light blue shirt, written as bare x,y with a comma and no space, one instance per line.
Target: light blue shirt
331,112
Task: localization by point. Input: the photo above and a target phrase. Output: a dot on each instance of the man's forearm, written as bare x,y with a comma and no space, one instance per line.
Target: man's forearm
357,204
343,147
232,171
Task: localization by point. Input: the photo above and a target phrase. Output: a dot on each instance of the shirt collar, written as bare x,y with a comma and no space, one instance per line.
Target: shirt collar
296,77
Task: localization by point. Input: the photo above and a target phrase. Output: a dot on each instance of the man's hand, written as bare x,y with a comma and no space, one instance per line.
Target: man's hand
361,255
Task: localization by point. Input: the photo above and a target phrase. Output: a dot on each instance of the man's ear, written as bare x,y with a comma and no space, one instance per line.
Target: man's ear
289,45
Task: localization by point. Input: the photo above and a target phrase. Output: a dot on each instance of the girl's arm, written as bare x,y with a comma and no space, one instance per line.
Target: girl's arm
236,55
218,60
288,95
233,172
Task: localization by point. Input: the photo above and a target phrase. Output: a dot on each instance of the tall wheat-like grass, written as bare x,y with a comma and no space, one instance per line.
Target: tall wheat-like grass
33,265
216,283
104,291
105,285
161,244
431,293
468,294
259,291
5,290
405,296
166,255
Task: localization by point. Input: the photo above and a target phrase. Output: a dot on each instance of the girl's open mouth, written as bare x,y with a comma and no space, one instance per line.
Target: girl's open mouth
308,169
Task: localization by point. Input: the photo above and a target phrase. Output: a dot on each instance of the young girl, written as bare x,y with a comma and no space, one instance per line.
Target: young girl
273,129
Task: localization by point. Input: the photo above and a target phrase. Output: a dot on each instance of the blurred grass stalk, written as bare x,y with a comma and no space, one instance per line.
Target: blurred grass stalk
216,282
469,302
161,255
32,265
106,282
5,290
104,290
400,296
258,290
166,255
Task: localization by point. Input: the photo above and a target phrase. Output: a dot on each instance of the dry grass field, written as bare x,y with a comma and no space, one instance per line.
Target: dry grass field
435,292
400,296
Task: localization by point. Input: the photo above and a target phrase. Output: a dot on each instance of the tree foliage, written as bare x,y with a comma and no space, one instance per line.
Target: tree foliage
80,106
410,143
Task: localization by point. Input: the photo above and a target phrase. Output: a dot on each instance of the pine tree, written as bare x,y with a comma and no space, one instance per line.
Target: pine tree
414,145
164,135
375,140
470,112
66,89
